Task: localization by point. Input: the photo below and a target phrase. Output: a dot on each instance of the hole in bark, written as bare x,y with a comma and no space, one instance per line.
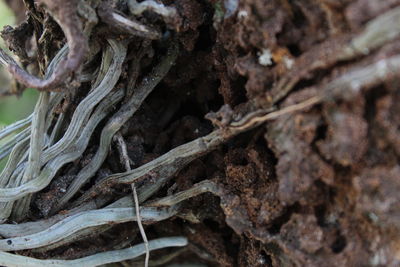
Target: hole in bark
284,218
339,244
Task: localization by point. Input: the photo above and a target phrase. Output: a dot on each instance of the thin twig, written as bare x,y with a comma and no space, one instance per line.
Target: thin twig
126,160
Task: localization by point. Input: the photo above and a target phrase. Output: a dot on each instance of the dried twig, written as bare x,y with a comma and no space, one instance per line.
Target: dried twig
127,162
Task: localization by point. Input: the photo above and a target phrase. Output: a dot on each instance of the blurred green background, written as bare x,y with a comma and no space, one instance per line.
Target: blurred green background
12,108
